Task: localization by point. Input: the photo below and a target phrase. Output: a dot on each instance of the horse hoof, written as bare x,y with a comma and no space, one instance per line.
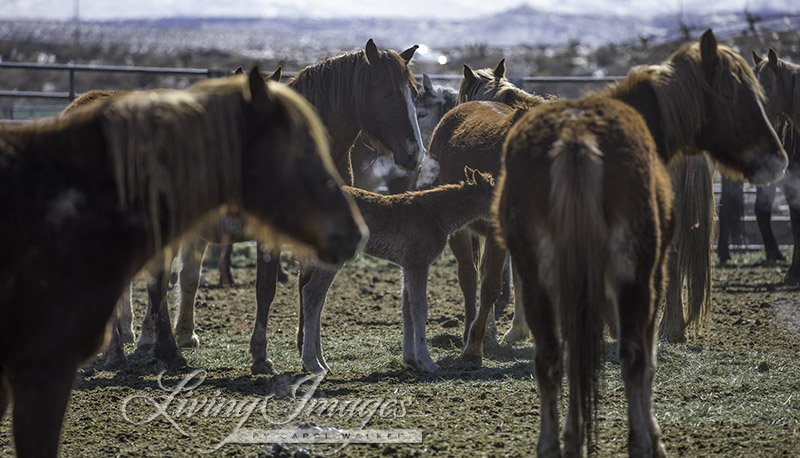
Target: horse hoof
791,280
262,368
314,367
126,338
515,335
490,340
472,360
673,336
188,341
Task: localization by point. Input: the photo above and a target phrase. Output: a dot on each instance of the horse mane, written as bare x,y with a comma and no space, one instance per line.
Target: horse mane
487,87
679,83
341,81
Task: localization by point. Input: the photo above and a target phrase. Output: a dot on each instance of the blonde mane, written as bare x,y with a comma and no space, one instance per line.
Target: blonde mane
679,85
487,87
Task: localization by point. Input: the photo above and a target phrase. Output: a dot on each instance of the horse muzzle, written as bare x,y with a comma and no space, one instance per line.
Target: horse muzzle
766,165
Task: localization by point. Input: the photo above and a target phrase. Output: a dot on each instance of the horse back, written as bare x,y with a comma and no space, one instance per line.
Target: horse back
471,134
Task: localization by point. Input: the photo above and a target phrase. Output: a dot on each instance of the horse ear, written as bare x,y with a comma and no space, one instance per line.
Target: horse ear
372,54
469,75
259,92
756,58
409,53
500,69
772,56
427,84
708,49
238,71
276,75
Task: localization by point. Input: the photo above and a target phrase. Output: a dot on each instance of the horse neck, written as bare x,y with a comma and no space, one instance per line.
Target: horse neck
338,112
672,125
453,206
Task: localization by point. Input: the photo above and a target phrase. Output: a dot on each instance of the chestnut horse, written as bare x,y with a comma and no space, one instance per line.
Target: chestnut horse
366,92
584,205
411,230
112,174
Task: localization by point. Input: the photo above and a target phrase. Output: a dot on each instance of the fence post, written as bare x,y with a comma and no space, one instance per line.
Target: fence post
71,84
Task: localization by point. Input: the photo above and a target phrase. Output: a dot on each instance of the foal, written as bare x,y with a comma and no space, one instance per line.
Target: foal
411,230
585,207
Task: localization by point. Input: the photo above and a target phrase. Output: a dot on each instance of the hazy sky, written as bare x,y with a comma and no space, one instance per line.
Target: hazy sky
109,9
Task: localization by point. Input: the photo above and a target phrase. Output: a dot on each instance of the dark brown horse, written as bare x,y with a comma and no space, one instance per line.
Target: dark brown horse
585,207
112,175
781,82
366,92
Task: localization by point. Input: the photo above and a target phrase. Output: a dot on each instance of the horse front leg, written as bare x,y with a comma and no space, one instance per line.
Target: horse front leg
461,245
41,391
765,197
315,289
793,274
125,309
417,283
115,355
191,257
165,348
519,330
267,266
492,262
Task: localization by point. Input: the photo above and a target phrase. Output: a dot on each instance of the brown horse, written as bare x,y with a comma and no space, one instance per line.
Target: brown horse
411,230
111,174
781,82
366,91
372,169
472,135
585,207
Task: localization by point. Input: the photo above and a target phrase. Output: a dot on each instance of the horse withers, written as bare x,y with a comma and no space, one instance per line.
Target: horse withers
585,208
111,175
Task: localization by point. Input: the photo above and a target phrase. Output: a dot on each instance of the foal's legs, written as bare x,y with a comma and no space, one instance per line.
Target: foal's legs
519,327
765,197
191,258
415,304
492,261
41,390
267,266
316,283
461,245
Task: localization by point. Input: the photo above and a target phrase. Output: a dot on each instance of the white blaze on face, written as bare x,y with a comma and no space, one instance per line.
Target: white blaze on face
412,118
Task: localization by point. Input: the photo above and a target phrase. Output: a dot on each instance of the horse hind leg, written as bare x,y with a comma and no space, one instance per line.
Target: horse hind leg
505,292
267,266
115,355
165,347
492,262
637,362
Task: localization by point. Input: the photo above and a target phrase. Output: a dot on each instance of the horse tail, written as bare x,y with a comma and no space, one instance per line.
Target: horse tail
580,238
695,198
694,240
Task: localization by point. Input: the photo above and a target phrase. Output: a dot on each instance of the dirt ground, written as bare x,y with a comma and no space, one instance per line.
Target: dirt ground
733,391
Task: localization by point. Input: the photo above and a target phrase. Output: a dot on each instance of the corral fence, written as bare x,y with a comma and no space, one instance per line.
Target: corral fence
21,107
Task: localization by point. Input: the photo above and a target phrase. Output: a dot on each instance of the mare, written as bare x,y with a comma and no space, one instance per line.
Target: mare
366,92
411,230
371,170
781,82
584,205
132,174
